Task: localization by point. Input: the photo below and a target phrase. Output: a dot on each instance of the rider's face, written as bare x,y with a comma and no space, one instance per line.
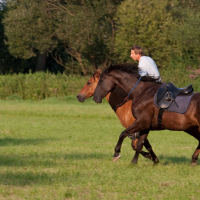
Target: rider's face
133,55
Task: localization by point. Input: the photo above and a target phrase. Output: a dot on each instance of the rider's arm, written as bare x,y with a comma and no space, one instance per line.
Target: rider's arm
143,72
143,67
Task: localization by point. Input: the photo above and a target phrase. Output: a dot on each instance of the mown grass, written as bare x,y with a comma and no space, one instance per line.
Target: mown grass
63,150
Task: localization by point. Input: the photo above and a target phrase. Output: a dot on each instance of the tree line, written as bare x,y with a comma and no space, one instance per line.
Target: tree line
80,36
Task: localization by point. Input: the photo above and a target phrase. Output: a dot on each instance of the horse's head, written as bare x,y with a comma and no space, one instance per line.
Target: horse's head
89,88
104,86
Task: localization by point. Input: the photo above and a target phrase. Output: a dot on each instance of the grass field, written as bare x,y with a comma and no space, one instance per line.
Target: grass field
59,150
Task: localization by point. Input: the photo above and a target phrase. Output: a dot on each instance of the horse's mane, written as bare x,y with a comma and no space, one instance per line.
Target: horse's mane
130,69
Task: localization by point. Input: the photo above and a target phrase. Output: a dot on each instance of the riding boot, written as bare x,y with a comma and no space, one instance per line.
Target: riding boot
134,135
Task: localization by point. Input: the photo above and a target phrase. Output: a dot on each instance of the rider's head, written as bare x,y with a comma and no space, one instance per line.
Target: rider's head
136,52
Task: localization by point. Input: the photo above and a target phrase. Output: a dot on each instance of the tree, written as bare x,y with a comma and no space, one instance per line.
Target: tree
91,38
85,29
186,34
29,29
8,63
167,30
147,23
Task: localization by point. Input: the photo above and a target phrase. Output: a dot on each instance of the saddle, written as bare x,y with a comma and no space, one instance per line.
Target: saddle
166,95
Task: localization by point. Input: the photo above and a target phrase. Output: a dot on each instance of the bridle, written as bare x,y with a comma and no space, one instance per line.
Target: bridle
128,97
134,86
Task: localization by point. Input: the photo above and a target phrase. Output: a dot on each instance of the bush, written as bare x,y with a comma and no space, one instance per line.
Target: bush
39,85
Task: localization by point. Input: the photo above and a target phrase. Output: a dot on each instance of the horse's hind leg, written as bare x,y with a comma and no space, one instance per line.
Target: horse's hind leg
143,153
195,156
141,141
196,134
150,150
151,155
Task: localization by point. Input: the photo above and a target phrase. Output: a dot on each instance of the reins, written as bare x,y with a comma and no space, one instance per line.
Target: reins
127,98
123,102
134,86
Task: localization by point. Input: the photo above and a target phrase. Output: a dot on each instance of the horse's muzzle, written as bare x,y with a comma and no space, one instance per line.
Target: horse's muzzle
97,100
81,98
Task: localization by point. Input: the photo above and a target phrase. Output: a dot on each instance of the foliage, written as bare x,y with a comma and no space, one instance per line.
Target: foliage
186,35
82,36
29,27
39,85
84,29
167,30
8,63
148,24
91,38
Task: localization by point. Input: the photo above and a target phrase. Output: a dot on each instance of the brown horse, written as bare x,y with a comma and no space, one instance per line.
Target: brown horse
144,109
123,112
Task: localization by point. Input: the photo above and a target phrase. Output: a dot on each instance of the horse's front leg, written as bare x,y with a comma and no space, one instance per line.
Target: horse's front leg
135,127
118,146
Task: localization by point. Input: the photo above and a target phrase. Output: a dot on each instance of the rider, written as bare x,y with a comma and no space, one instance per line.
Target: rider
147,66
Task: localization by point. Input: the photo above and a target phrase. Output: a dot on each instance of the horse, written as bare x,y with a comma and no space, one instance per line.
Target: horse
122,110
143,108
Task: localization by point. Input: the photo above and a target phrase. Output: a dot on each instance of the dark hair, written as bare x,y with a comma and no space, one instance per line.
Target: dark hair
138,50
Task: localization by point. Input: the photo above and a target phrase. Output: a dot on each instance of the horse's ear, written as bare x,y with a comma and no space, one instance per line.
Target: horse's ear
98,72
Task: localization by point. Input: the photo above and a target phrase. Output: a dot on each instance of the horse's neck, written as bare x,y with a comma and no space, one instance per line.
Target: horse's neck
125,81
107,96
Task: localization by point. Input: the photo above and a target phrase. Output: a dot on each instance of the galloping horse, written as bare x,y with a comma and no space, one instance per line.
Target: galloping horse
123,112
143,108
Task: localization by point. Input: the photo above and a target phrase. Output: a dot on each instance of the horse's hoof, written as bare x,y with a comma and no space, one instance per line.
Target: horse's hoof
194,164
134,161
149,157
156,161
116,158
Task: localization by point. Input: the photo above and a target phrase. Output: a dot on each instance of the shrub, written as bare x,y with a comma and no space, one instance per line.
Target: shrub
39,85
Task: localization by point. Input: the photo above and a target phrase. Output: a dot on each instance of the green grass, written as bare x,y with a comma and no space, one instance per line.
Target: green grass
57,150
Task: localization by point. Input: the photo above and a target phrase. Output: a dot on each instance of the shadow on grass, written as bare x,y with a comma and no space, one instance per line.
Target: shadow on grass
48,159
22,178
52,168
14,142
166,160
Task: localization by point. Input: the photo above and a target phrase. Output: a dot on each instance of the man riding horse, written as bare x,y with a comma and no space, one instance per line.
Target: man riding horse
146,66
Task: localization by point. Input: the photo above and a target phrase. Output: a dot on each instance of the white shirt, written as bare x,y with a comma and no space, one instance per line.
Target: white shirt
147,67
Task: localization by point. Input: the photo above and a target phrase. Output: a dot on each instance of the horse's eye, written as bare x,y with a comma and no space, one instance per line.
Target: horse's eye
88,83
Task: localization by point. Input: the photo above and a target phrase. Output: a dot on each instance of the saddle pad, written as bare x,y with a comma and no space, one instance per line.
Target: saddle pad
182,102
